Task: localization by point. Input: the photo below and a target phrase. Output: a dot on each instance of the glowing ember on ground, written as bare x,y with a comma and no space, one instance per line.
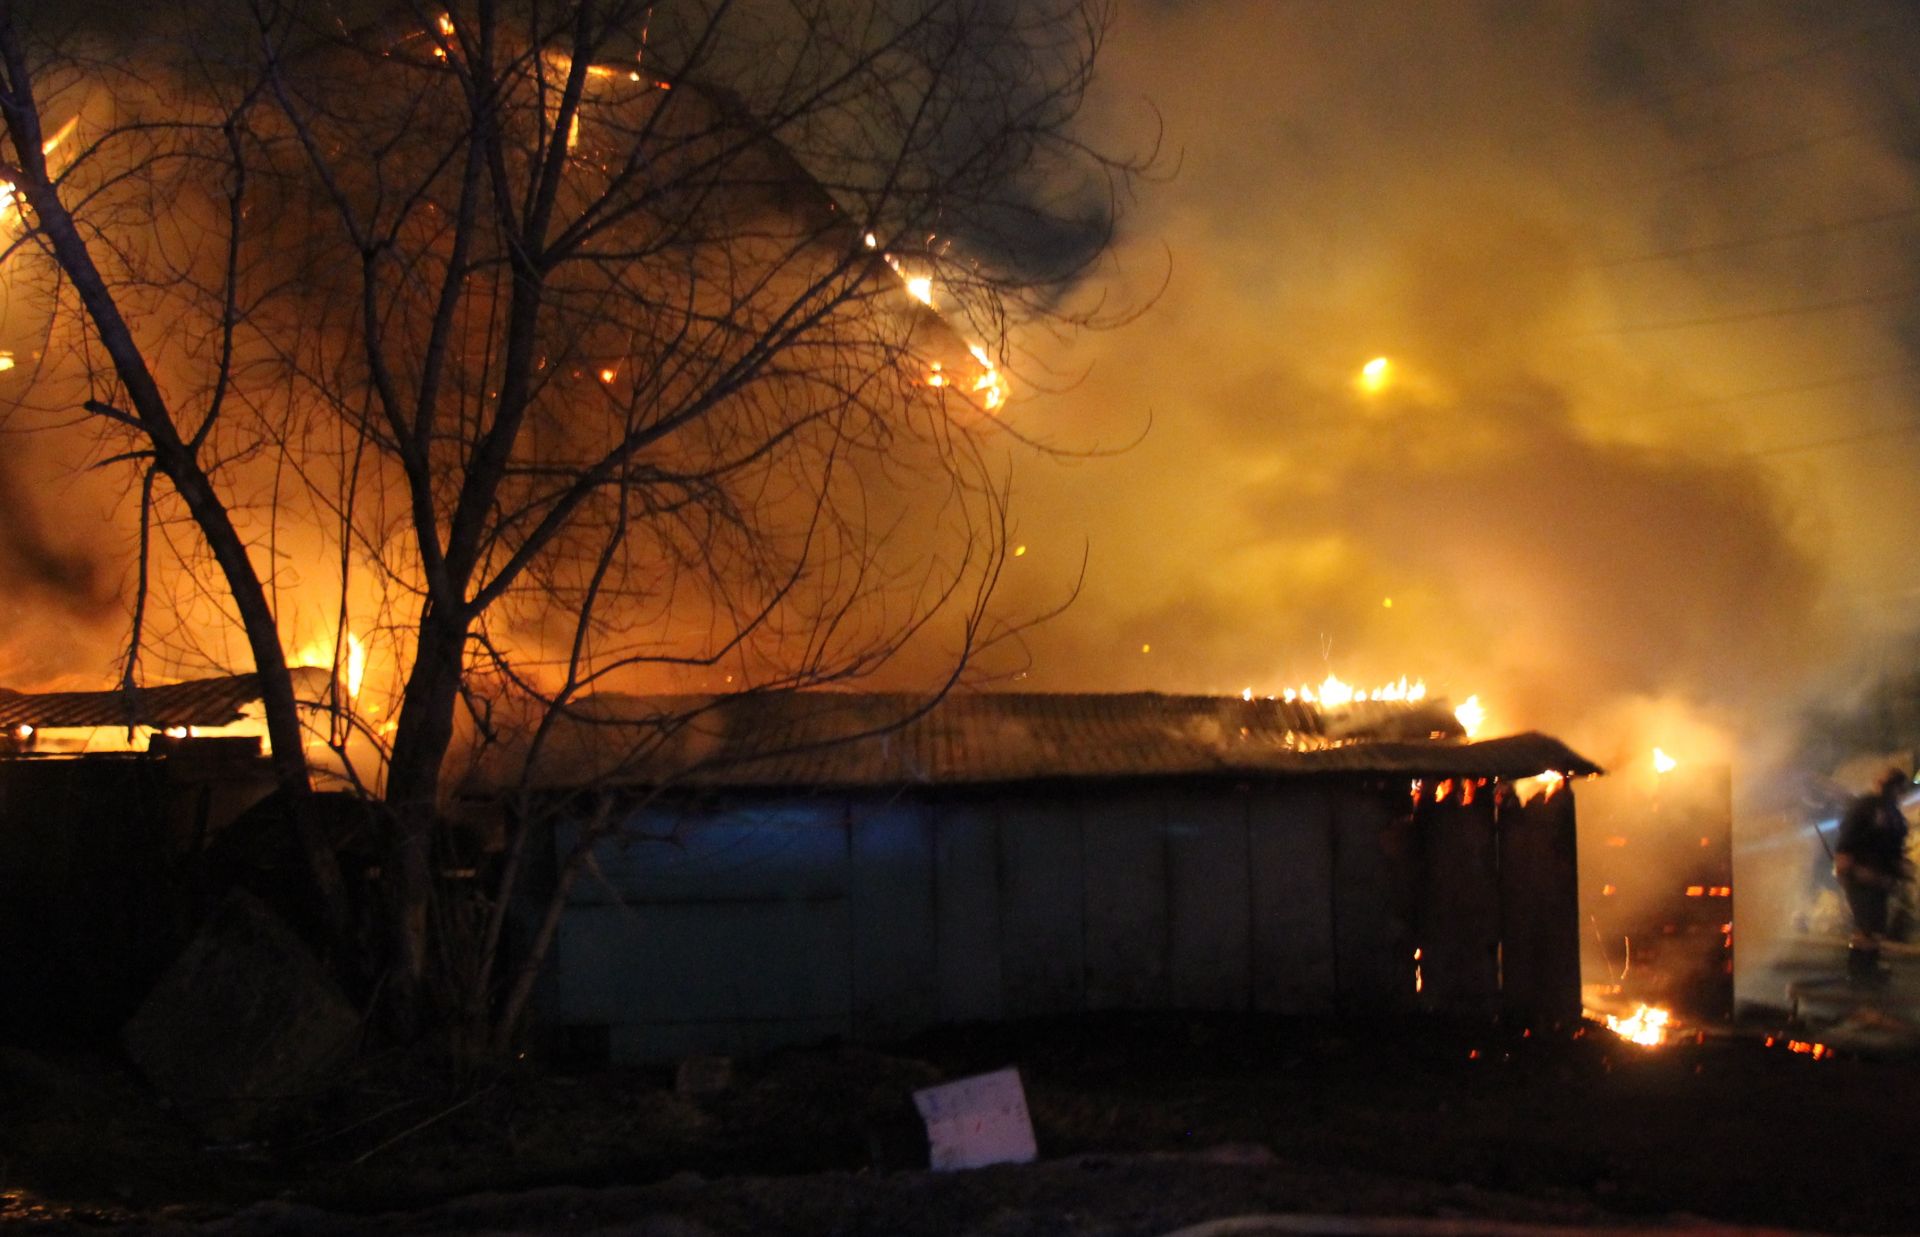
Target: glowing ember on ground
1646,1026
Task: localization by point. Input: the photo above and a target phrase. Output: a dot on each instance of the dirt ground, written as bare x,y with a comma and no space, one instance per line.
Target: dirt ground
1145,1124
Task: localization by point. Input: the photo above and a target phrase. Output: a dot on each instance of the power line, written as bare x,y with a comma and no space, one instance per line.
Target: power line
1794,388
1864,128
1756,315
1708,85
1768,238
1843,440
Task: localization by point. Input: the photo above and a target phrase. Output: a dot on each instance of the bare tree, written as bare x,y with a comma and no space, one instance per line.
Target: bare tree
580,343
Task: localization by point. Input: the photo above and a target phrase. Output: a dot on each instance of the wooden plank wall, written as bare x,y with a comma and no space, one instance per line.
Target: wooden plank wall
1457,916
872,918
1540,899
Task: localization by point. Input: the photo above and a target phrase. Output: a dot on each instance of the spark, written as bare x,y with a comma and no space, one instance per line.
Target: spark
1663,763
1375,376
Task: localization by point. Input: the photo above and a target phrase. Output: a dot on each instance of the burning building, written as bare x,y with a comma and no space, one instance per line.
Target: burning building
1656,891
810,865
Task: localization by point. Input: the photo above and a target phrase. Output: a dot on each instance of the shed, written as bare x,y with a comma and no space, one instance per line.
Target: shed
810,865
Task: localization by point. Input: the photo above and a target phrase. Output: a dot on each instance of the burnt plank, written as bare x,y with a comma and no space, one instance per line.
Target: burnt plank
894,973
1126,901
1207,899
1540,900
1458,932
1290,848
966,913
1373,863
1041,913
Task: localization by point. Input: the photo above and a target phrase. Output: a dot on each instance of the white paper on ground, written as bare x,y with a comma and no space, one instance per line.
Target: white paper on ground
977,1121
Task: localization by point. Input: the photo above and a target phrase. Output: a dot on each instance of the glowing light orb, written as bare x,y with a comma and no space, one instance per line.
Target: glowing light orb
1375,376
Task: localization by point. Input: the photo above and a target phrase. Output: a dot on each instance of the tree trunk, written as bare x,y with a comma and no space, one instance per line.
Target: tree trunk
175,458
421,739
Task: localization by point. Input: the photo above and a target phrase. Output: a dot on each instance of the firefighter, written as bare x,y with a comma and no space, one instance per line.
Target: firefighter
1870,862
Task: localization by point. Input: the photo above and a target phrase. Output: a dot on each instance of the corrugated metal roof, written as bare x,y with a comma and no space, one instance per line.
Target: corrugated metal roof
842,739
198,702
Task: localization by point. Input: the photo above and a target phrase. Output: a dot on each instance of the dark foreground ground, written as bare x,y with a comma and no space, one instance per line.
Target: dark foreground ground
1144,1125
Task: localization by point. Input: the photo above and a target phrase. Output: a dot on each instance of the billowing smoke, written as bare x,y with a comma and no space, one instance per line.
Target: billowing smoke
1640,467
1642,452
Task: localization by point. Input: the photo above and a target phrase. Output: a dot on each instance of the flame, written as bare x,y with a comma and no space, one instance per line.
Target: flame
1646,1026
352,668
6,361
1541,786
1471,715
9,200
990,385
1663,763
356,666
1333,692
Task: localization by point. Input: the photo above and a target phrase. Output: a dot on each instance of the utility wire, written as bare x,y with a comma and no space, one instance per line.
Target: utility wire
1708,85
1842,440
1768,238
1757,315
1799,145
1794,388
